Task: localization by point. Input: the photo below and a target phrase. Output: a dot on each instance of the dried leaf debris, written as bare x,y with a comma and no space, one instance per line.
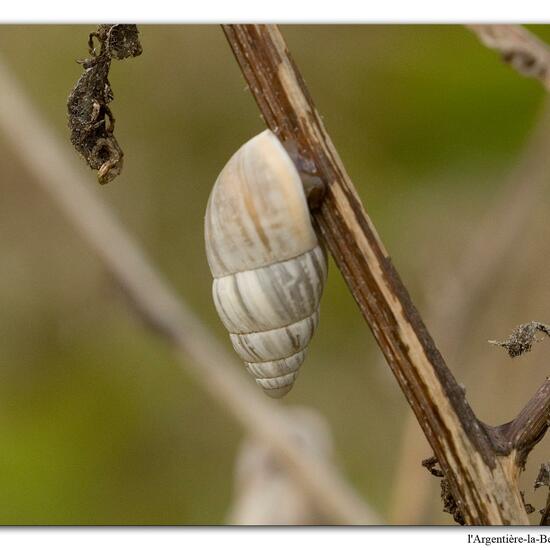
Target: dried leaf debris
529,508
543,479
522,338
91,120
449,503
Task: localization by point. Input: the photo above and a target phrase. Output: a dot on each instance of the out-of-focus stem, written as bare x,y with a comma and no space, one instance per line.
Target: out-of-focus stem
518,47
52,165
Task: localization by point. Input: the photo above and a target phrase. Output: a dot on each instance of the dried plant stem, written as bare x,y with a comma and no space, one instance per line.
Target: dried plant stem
53,167
529,427
480,480
453,302
459,291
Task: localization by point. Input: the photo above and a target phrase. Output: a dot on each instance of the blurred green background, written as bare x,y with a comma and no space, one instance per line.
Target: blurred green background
98,425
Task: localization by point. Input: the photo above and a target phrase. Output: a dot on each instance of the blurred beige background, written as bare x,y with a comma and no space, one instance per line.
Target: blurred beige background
97,424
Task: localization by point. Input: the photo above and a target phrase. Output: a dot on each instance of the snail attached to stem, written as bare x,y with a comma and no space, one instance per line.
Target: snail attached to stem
268,265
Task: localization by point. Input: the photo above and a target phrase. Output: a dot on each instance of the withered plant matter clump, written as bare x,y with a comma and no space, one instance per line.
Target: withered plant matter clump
91,121
522,338
543,480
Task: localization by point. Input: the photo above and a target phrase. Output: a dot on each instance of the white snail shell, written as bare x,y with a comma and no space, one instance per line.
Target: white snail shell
269,269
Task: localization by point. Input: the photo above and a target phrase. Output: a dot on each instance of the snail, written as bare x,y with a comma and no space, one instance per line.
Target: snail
268,266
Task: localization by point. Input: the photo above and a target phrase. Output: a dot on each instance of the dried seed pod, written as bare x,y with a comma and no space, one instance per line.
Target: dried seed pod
269,269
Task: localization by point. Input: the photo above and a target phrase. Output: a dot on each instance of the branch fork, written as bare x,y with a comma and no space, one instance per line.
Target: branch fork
480,463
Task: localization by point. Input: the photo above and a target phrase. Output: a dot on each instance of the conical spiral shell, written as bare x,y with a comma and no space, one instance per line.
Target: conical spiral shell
269,269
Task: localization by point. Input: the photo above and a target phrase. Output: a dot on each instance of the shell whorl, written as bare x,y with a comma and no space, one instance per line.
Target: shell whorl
269,269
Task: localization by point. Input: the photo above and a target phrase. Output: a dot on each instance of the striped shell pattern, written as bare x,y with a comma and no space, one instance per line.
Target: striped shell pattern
268,267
